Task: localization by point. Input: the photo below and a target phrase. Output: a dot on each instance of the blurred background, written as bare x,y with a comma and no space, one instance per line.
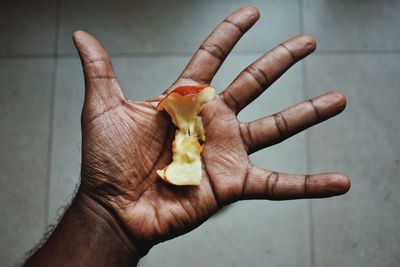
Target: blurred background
41,94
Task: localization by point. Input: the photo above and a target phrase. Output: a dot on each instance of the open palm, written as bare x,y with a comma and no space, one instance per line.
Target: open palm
125,142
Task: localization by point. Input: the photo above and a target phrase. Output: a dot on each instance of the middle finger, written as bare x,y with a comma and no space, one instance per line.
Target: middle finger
257,77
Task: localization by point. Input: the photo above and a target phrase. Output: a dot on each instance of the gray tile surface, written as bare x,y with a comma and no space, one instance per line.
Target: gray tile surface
66,139
361,228
28,27
353,25
172,26
25,107
252,233
239,235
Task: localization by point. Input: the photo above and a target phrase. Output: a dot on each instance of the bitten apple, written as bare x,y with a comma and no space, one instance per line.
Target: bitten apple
183,105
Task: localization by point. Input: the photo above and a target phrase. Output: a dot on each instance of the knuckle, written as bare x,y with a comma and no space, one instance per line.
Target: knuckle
214,50
271,184
258,75
281,124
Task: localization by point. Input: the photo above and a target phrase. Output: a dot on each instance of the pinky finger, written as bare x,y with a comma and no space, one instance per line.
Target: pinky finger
265,184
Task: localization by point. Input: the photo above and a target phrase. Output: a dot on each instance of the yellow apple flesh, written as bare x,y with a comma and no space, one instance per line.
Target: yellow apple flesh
184,105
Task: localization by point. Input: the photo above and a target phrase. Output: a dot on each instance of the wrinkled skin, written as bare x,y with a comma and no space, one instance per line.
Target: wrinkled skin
125,142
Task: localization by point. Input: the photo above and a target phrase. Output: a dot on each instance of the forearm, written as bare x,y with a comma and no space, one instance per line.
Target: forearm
85,238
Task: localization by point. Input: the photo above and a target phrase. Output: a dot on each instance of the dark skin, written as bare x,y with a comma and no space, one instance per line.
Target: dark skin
123,208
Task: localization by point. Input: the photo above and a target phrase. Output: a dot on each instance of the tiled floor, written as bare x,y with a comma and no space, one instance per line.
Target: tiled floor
138,27
25,113
358,25
28,28
361,228
42,93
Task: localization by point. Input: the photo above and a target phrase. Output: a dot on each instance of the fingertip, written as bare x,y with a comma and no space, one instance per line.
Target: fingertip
251,11
345,182
339,183
89,48
78,36
300,46
244,17
329,104
308,41
328,185
77,33
339,99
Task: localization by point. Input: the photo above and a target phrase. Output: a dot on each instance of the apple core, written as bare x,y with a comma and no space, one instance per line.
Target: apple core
183,104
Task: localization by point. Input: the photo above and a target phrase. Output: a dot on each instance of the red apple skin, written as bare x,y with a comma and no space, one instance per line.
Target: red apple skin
189,89
184,91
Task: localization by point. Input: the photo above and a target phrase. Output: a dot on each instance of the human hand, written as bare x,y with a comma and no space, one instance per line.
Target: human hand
124,142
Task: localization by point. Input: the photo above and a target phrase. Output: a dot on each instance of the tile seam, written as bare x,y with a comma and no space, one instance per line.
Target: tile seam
307,148
52,104
169,54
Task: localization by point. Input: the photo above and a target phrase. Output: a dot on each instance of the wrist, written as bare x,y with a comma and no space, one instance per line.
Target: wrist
85,238
110,222
109,213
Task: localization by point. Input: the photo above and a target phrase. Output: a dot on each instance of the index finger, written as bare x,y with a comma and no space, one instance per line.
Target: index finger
216,47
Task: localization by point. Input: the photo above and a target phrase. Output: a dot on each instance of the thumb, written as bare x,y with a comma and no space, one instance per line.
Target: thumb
102,91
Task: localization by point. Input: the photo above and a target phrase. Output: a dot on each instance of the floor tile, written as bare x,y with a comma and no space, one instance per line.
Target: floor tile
353,25
25,107
361,228
66,139
28,27
176,26
252,233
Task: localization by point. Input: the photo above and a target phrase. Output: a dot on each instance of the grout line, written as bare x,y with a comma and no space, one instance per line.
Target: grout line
311,230
308,169
307,148
301,16
53,89
162,54
359,52
255,52
28,56
184,54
